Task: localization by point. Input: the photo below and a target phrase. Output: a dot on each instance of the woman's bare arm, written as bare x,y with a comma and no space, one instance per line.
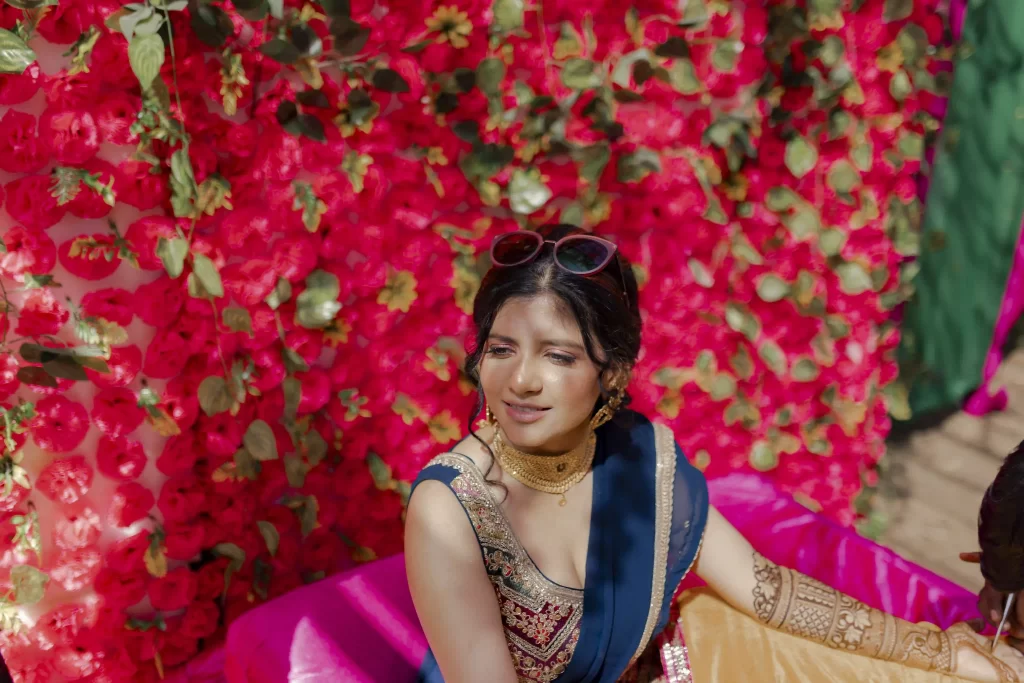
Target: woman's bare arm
453,596
797,604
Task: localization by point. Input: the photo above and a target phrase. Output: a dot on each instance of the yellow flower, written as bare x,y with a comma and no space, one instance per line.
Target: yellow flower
452,26
444,427
399,291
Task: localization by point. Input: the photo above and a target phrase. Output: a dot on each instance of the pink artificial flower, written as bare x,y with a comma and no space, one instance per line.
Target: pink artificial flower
19,88
60,424
20,148
30,202
65,480
130,503
116,411
72,135
77,530
90,257
181,499
120,458
27,252
76,569
124,365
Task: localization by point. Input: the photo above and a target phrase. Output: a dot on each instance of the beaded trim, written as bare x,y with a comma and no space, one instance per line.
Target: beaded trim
665,447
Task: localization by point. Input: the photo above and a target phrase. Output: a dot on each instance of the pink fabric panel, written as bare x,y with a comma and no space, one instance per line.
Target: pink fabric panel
360,626
357,627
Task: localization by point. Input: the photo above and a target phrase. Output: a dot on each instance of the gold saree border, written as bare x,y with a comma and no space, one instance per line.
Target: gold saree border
664,478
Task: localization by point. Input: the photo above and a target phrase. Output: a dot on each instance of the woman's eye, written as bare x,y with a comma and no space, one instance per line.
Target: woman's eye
500,351
563,359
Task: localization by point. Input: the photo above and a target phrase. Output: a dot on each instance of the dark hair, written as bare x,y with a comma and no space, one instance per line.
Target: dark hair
1001,526
608,315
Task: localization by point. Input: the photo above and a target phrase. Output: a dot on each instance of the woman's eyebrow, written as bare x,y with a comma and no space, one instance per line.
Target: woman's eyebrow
562,342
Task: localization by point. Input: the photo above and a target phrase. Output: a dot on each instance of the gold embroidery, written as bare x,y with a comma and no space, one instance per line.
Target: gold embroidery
541,618
664,478
799,605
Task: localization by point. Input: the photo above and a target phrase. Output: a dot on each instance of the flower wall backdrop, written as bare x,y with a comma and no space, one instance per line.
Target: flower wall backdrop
240,243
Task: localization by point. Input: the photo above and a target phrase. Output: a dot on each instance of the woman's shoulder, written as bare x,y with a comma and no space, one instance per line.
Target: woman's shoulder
469,456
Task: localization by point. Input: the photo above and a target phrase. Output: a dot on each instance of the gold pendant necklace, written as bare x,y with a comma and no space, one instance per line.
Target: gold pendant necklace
546,473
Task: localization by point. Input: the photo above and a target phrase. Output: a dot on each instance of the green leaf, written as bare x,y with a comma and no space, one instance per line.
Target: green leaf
805,370
282,294
897,10
911,145
214,396
527,193
726,55
293,362
233,553
832,50
317,305
276,8
65,367
723,386
625,65
803,223
270,535
31,4
508,15
572,214
389,80
207,275
380,471
853,278
683,77
467,131
772,288
172,253
900,86
280,50
490,74
773,356
237,319
801,156
897,400
637,165
742,363
295,471
581,74
211,24
701,275
350,37
762,457
316,447
15,55
781,198
843,177
292,388
592,160
253,10
740,319
831,241
675,47
260,441
29,584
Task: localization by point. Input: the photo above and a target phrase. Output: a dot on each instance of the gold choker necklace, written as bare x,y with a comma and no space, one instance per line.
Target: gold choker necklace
547,473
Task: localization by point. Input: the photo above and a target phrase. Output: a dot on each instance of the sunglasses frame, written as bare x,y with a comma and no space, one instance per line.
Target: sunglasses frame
540,242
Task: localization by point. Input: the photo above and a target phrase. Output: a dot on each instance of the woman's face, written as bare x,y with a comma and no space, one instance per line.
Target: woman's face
536,376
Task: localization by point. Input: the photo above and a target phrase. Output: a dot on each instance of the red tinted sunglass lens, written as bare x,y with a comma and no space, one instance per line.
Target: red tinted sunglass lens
515,248
583,255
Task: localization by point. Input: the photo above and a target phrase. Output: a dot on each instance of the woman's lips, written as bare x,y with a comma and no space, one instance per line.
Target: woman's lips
524,414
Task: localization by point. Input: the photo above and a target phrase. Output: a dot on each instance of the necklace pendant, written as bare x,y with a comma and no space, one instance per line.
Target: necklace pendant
562,503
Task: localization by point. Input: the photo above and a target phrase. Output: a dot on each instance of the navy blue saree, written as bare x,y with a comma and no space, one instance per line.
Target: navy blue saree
649,510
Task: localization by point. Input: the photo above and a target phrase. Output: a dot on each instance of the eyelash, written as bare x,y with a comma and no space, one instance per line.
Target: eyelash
559,358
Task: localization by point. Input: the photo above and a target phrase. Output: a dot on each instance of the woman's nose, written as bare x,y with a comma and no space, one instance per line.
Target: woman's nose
526,379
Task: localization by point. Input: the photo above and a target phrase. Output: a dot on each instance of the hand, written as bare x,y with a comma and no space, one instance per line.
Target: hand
975,660
990,605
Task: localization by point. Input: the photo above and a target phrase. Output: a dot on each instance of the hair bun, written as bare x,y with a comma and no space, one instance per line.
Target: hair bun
1001,526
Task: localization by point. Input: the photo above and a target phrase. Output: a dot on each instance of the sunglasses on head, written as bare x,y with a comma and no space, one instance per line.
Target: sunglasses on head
577,254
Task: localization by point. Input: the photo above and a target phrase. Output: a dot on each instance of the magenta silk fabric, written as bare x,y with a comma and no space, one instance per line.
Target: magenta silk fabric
360,626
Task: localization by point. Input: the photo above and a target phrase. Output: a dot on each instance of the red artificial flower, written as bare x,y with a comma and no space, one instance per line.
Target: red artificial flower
159,302
124,365
30,202
113,304
120,590
60,424
201,619
9,382
20,148
67,22
166,354
127,555
143,235
210,579
9,502
65,480
90,257
116,113
26,252
77,530
139,187
173,591
181,499
120,458
116,411
179,454
88,203
249,282
183,541
130,503
19,88
72,135
41,314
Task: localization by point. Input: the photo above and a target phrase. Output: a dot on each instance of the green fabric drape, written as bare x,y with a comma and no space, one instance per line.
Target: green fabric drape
973,212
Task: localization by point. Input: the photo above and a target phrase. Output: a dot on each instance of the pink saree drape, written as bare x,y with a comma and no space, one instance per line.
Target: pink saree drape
360,626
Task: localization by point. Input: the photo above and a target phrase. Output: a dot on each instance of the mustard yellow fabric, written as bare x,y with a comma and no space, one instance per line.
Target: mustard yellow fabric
727,646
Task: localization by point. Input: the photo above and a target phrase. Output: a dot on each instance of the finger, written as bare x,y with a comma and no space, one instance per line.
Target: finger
972,557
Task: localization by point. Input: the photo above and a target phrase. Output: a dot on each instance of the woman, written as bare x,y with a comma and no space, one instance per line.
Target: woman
587,517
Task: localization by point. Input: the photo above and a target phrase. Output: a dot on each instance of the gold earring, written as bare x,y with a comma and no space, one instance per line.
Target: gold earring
607,411
488,419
